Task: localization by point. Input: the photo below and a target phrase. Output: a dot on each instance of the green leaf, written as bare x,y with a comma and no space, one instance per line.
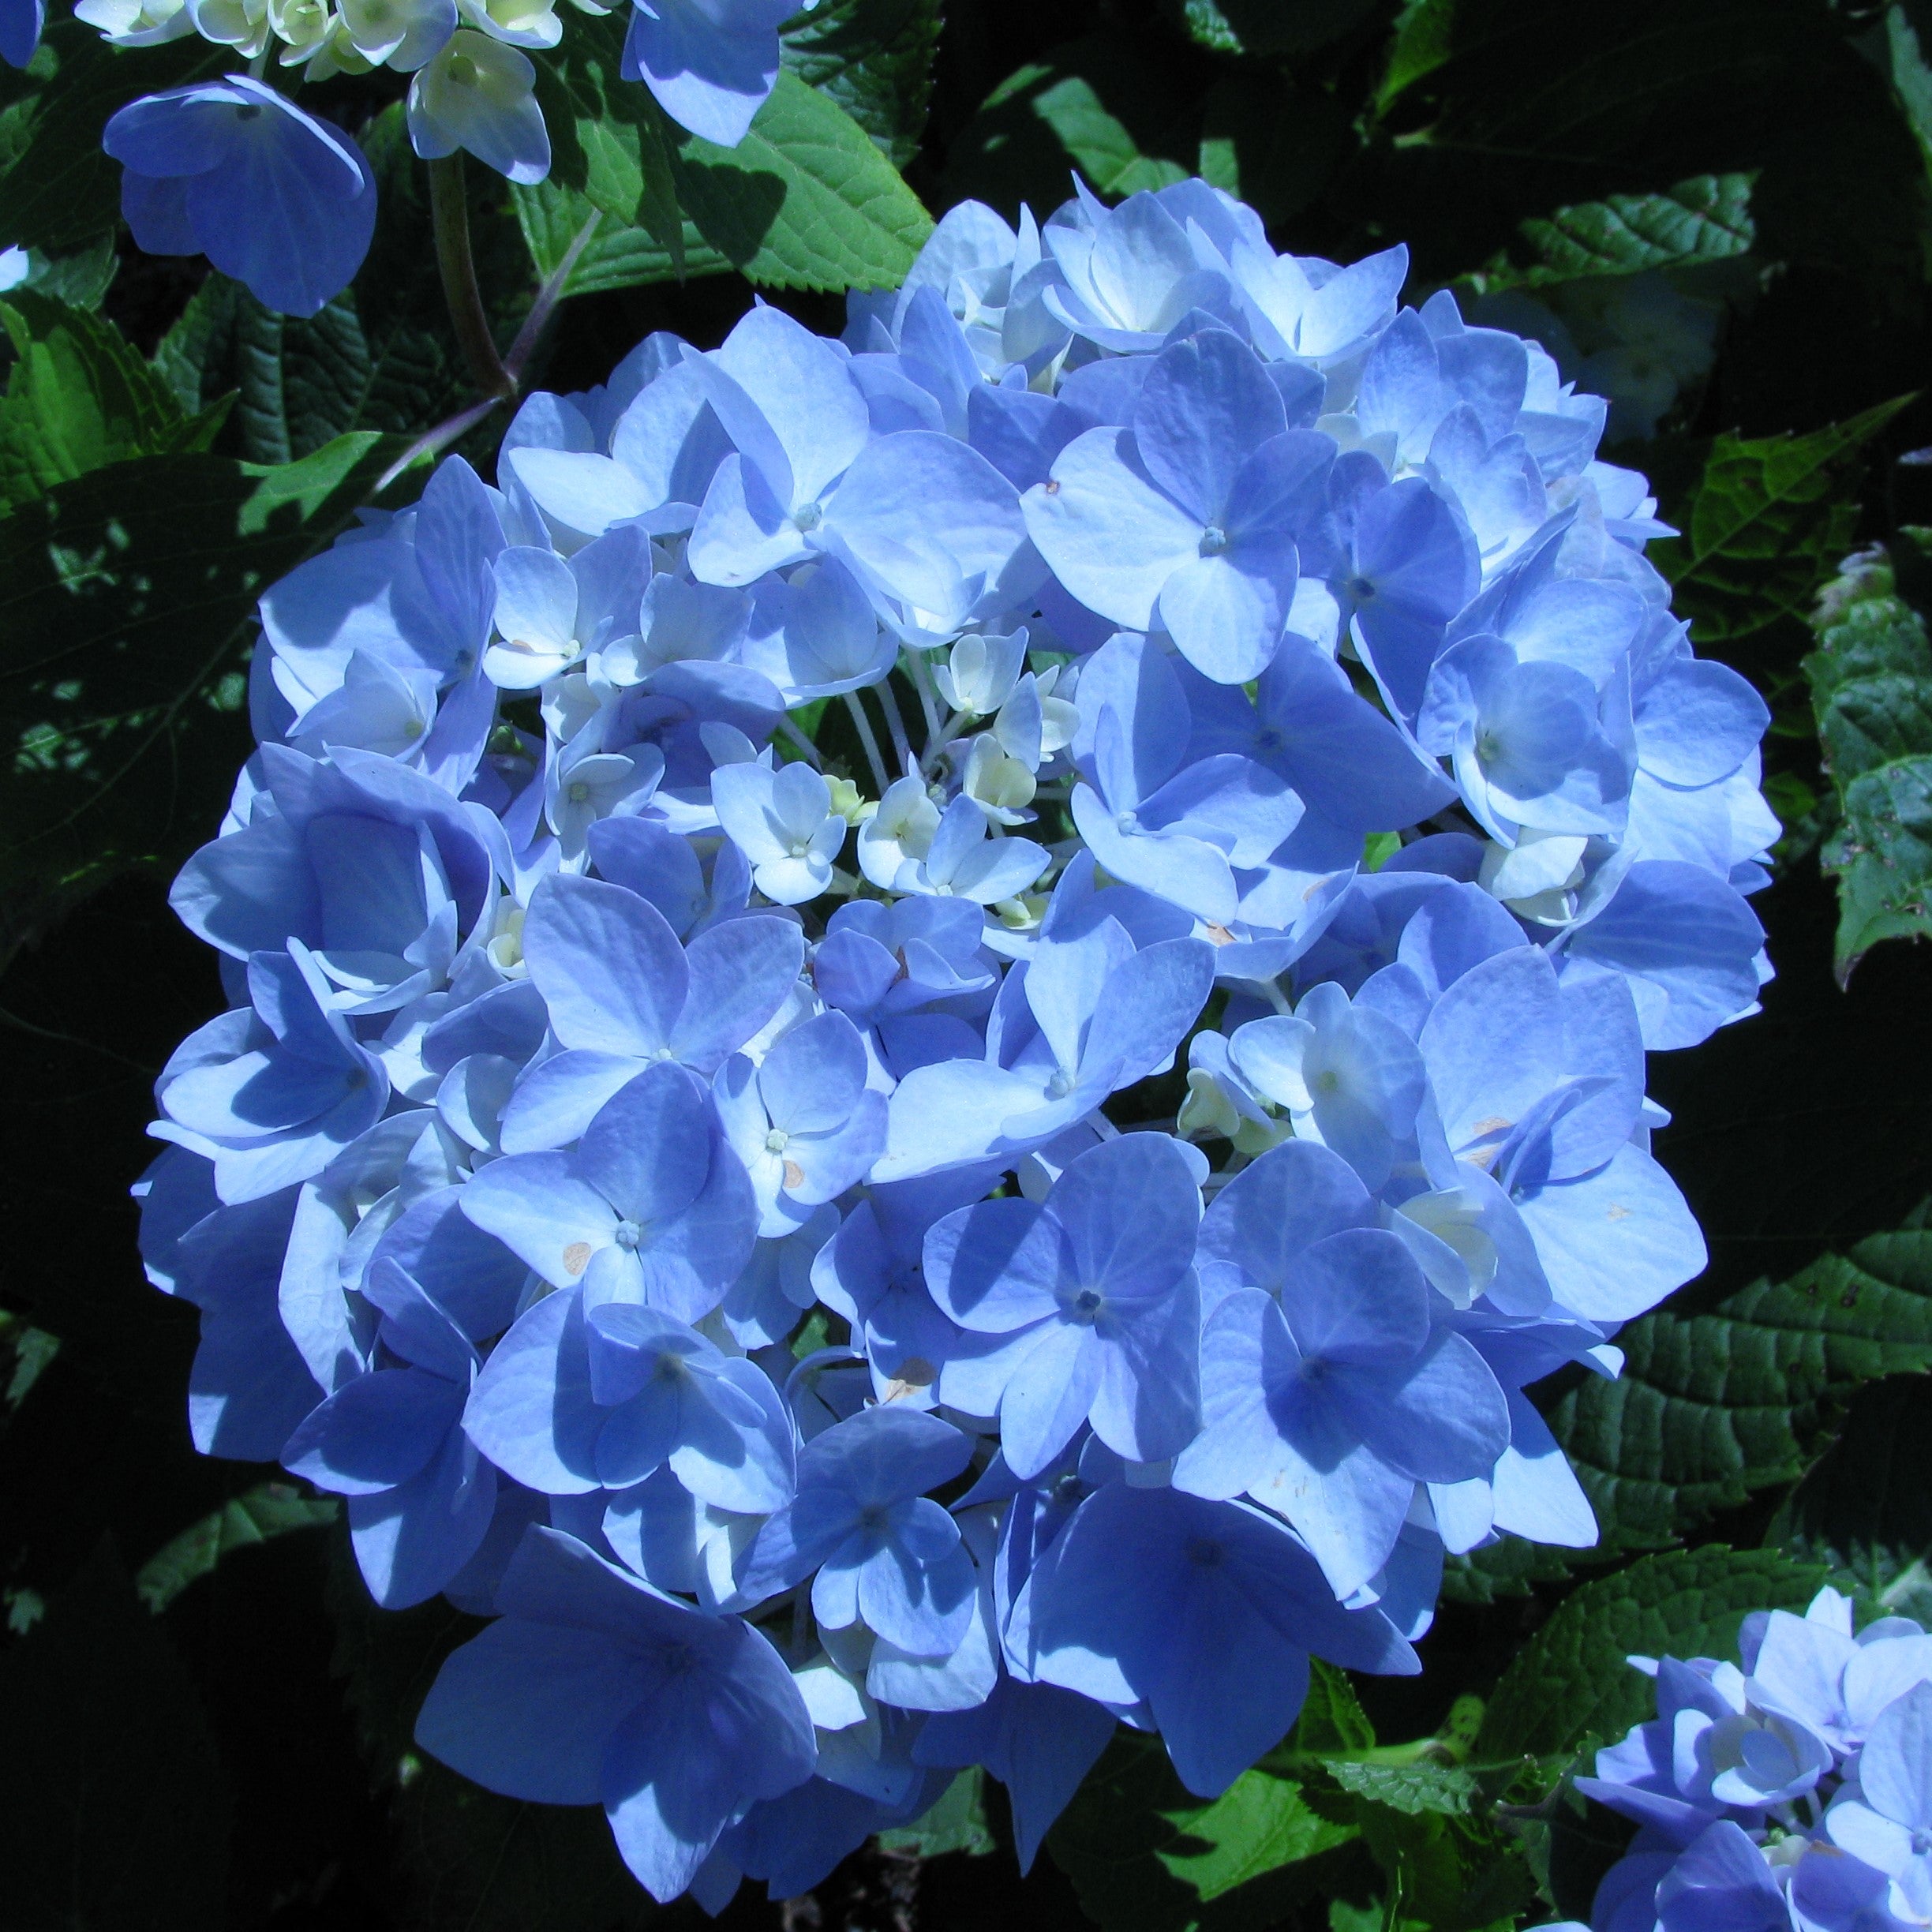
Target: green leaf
113,1808
617,258
1272,26
1097,104
1412,1788
1492,110
1508,1567
1762,524
1705,219
956,1822
610,140
1911,77
1570,1683
874,58
77,399
80,277
1146,1855
1332,1718
126,598
1446,1873
273,1509
1713,1406
805,200
57,188
1871,693
194,356
1865,1506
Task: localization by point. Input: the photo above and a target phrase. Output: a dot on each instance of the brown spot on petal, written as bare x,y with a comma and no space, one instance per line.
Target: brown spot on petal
1617,1214
1495,1123
794,1174
914,1373
1052,486
577,1256
1219,934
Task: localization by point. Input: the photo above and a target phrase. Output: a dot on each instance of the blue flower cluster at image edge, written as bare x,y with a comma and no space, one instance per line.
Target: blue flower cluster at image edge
1790,1792
231,168
694,1207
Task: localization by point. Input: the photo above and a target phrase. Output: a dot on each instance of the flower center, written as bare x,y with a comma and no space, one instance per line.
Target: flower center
1214,540
627,1234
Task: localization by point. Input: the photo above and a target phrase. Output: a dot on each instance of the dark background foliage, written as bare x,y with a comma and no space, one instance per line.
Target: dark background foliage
202,1721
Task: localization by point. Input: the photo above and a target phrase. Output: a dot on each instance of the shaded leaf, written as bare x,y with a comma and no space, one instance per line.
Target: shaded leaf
1763,523
1146,1855
1097,104
77,399
194,357
805,200
1511,1566
79,276
1332,1718
1707,218
1865,1506
1871,693
273,1509
1487,103
126,598
57,187
1714,1406
1570,1683
610,141
1272,26
114,1807
955,1822
874,58
1270,146
1411,1788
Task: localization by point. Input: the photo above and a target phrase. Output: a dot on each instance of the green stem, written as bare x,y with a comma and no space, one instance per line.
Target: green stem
449,210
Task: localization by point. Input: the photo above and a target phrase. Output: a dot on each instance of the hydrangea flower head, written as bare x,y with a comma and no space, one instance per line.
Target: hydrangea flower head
714,1203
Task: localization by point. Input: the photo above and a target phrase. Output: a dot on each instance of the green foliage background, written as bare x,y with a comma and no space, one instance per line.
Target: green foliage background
1718,209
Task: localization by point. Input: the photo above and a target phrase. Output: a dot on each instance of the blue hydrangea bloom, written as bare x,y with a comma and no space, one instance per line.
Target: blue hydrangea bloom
20,23
722,1210
592,1688
231,169
1789,1790
711,64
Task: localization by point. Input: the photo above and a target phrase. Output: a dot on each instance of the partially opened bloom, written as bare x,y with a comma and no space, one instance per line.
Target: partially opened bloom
479,94
231,169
